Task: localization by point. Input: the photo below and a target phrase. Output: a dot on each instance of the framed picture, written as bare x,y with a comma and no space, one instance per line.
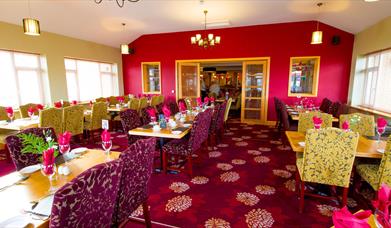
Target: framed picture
304,76
151,77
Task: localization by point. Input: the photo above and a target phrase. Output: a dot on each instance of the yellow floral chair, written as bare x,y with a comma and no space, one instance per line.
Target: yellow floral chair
305,120
155,100
74,119
51,117
358,122
113,100
227,108
100,99
23,109
3,114
134,104
93,122
143,104
126,99
328,159
377,173
161,99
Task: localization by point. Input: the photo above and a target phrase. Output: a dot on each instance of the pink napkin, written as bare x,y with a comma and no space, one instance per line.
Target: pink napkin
48,161
182,106
344,219
39,107
199,101
105,136
381,125
152,112
120,99
345,125
58,104
383,201
65,138
212,99
10,111
166,111
74,102
317,122
31,110
206,100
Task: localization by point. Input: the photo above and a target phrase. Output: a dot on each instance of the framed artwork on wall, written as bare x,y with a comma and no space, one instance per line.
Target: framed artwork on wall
304,76
151,77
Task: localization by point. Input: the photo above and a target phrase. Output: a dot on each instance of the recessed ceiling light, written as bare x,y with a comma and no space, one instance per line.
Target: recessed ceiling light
219,23
371,0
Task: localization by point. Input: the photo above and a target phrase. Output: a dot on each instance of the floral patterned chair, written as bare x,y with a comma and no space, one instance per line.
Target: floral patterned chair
328,159
161,98
213,125
134,104
155,101
325,105
143,103
306,122
130,120
88,200
220,119
23,109
100,99
206,125
376,174
3,114
51,117
74,119
14,144
335,109
93,122
134,181
113,100
361,123
173,107
159,108
185,147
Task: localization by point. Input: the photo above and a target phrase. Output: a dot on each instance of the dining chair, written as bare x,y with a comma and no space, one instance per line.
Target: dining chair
113,100
51,117
213,125
155,100
325,105
188,103
220,119
159,108
15,147
206,126
172,105
133,191
66,104
23,109
126,99
327,159
143,103
89,200
226,113
130,119
278,112
335,109
183,149
93,122
134,104
100,99
375,173
306,122
3,114
359,122
73,120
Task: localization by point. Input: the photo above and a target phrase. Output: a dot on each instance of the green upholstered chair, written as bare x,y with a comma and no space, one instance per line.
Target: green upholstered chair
376,174
361,123
74,119
51,117
161,99
306,122
327,159
113,100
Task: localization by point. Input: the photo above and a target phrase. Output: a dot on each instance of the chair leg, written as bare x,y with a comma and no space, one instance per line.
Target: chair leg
345,196
301,203
147,216
190,165
297,181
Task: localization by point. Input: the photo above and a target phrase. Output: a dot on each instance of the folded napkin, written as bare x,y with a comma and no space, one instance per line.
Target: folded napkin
74,102
65,138
44,206
345,125
381,125
383,201
58,104
317,122
344,219
152,112
105,136
10,111
212,99
166,111
182,106
39,107
120,99
31,110
48,161
206,100
199,101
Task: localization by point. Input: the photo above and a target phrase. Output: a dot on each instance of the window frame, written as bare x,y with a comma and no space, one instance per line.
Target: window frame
315,81
143,78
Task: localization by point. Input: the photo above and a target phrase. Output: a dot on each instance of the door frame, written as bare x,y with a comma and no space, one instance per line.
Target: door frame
267,76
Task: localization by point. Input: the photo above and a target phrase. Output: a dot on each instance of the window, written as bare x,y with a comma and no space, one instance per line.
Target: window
23,78
87,80
303,76
372,82
151,77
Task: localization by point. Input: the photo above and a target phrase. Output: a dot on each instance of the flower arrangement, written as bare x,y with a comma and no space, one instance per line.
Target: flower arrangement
37,145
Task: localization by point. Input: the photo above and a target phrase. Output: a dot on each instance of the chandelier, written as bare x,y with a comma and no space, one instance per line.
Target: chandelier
206,41
120,3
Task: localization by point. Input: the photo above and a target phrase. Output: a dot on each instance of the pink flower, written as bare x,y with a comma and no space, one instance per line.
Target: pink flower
65,138
345,125
120,99
105,136
10,112
383,200
48,160
166,111
152,112
182,106
206,100
39,107
31,111
381,123
74,102
199,101
212,99
58,104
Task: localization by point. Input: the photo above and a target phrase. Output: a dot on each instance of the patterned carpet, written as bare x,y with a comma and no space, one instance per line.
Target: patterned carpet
245,181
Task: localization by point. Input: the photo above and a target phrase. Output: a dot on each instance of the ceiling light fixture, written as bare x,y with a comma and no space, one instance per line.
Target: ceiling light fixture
30,25
124,47
317,35
120,3
208,40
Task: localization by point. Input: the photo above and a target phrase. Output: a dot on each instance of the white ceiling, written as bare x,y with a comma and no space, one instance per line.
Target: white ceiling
84,19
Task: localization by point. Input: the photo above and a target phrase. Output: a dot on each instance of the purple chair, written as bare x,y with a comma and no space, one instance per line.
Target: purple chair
134,182
173,107
159,108
206,126
145,117
89,199
185,148
325,105
130,120
213,124
15,147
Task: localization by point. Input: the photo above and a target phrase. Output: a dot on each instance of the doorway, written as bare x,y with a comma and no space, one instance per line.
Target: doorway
245,80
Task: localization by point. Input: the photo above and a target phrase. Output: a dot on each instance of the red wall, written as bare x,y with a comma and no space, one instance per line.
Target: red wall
277,41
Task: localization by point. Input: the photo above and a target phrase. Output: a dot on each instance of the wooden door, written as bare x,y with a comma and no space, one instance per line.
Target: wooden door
189,80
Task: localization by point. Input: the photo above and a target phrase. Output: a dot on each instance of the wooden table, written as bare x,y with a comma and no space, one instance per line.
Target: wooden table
20,124
366,148
115,109
15,199
163,133
294,114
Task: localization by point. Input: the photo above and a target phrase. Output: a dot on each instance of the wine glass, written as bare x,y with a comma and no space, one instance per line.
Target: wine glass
64,150
317,126
153,119
380,131
49,171
10,116
106,145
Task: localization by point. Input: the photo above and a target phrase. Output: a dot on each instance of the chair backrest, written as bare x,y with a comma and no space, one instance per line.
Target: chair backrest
89,199
284,116
155,100
188,103
306,122
358,122
159,108
220,118
237,104
328,156
66,104
384,172
15,146
161,98
195,140
113,100
215,116
73,119
206,124
126,99
23,109
51,117
325,105
98,113
100,99
3,114
138,162
145,117
143,103
134,104
172,105
226,113
130,119
277,107
335,109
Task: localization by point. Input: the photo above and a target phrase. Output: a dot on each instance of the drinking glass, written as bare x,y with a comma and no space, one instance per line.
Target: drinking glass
49,171
380,131
317,126
106,145
64,150
153,119
31,115
11,116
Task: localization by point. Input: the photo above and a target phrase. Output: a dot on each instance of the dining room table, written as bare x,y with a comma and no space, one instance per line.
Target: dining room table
295,112
19,124
366,148
18,198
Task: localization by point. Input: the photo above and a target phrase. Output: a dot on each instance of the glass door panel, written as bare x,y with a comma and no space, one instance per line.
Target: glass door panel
189,77
254,85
